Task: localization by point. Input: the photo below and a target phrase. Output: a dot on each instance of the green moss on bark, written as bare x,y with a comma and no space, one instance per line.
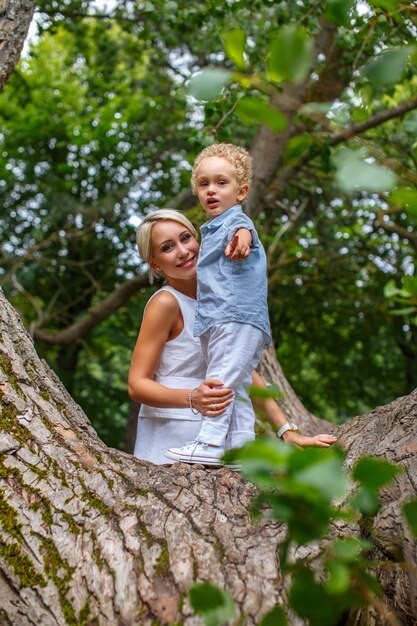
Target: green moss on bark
92,500
162,566
85,618
10,424
38,502
21,565
9,519
59,571
72,525
7,369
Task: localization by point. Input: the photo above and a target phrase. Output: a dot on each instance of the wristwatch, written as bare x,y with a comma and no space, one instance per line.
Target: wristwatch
287,426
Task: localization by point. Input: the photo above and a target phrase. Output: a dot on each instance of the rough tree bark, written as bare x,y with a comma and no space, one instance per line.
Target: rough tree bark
90,535
15,18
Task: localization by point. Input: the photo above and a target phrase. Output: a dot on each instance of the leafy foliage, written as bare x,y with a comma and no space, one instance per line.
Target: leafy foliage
410,512
215,605
300,488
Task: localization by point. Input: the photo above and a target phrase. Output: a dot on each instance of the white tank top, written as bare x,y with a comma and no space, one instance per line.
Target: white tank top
181,365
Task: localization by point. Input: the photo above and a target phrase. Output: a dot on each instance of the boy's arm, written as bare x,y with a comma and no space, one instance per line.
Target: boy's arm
239,247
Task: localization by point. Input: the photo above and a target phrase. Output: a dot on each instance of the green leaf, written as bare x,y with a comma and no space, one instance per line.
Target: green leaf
374,473
256,111
326,475
389,67
365,501
410,123
208,84
410,284
410,512
339,577
266,451
304,458
290,56
387,5
312,601
355,174
338,11
271,391
234,42
407,310
390,289
349,548
296,147
276,617
213,604
405,197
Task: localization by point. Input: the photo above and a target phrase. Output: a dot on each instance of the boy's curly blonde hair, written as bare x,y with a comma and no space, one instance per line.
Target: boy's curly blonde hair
237,156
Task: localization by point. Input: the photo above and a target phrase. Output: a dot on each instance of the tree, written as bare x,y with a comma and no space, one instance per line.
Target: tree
90,535
72,221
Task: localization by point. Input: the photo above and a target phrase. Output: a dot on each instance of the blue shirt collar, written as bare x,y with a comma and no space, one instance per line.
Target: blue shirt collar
217,221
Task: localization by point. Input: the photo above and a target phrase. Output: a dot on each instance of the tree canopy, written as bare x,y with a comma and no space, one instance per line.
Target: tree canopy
99,126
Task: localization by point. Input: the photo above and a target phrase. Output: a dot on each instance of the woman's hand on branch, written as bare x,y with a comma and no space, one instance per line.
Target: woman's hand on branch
321,441
211,398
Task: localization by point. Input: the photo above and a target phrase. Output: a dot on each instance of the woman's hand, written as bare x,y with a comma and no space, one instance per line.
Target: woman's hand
321,441
211,398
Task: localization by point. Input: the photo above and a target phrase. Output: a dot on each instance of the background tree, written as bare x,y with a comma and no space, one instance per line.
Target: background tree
98,129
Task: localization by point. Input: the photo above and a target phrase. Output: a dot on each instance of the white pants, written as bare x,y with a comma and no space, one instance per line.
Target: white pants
232,350
156,434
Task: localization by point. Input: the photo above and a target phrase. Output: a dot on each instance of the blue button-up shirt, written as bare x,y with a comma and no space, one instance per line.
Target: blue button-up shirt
230,291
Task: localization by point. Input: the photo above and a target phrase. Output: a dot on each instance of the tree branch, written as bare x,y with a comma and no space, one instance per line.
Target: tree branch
268,146
375,120
286,174
402,232
96,314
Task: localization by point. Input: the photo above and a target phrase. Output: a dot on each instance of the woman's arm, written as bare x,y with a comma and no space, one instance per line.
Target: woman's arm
275,416
159,322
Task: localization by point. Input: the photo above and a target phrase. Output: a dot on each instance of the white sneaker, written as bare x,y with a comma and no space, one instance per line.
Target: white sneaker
235,467
197,452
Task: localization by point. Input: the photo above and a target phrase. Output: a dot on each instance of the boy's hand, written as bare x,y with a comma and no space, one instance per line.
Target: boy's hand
239,247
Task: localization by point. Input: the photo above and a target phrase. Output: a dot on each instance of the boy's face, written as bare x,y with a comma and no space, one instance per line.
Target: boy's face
217,186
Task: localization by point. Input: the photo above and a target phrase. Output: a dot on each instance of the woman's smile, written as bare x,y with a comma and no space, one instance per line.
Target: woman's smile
188,263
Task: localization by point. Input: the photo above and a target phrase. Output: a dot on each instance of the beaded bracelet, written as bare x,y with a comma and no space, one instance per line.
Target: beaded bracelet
190,401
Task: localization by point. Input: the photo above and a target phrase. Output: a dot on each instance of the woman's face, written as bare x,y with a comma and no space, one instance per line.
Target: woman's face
174,250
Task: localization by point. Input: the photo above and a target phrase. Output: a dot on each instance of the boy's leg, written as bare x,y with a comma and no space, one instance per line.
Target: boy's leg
232,351
243,419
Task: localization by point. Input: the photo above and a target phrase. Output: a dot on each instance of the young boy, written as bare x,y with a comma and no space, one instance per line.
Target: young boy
232,314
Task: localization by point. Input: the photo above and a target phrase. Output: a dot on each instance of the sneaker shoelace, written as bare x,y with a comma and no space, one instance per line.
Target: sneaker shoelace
195,444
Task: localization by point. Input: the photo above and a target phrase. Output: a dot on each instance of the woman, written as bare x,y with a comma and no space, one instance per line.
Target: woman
167,370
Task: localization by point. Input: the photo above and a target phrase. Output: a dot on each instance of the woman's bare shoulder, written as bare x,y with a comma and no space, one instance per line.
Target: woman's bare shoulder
162,305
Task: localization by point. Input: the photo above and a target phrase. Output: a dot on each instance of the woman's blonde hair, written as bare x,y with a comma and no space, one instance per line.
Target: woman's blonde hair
144,234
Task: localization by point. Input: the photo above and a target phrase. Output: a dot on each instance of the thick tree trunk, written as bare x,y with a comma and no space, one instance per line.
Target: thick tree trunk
91,535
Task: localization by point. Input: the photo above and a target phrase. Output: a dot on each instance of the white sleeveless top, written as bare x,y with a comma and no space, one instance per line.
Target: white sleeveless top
181,365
